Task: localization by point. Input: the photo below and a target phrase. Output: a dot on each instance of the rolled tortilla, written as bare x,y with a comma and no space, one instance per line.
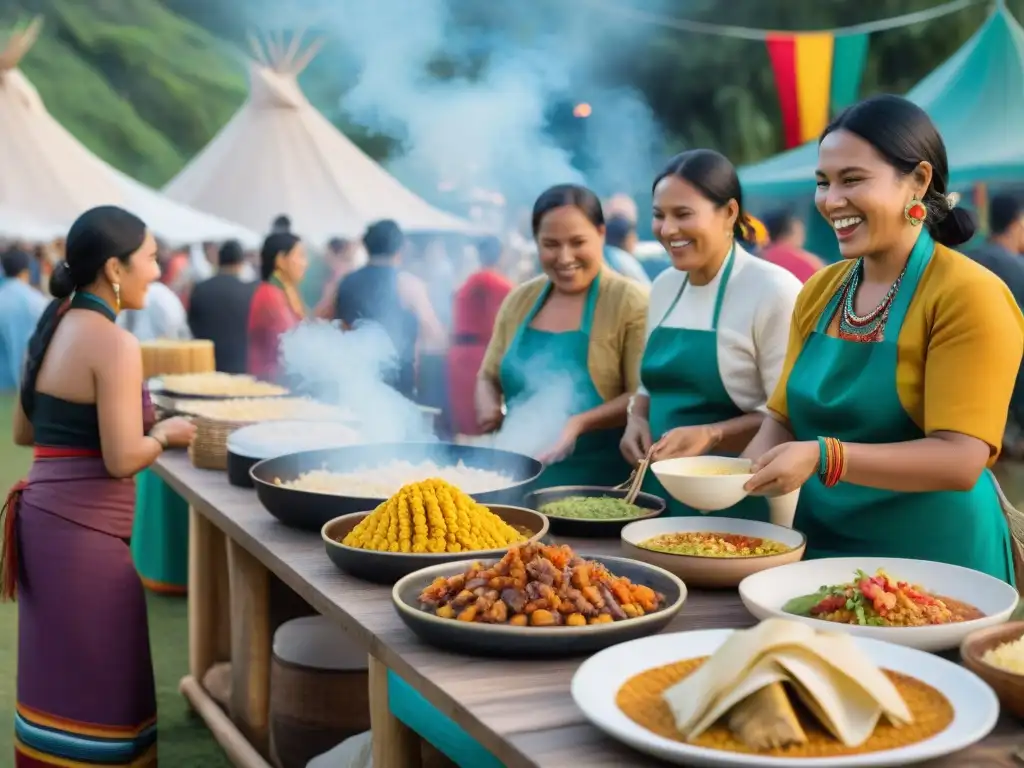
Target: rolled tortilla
693,696
829,672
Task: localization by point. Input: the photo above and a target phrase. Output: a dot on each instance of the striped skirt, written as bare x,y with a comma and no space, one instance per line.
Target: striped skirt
86,694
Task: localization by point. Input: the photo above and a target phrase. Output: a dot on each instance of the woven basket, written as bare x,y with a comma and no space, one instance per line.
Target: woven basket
209,448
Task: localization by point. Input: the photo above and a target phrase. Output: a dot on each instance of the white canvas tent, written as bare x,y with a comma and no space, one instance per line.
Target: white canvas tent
279,155
16,224
50,177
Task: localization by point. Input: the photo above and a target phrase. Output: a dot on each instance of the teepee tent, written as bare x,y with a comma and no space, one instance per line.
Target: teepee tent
976,99
279,155
17,224
47,174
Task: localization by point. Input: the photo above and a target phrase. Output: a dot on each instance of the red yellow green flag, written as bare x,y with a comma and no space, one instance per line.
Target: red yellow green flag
802,65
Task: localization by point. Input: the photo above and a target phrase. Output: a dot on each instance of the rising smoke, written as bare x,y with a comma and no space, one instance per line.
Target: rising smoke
348,369
490,129
487,130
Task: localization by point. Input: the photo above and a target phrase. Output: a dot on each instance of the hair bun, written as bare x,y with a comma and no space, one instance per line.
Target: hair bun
957,228
62,284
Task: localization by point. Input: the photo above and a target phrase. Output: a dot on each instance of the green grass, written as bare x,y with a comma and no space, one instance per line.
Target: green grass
184,740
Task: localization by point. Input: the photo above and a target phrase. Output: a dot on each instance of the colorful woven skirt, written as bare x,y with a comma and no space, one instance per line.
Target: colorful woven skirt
160,535
86,694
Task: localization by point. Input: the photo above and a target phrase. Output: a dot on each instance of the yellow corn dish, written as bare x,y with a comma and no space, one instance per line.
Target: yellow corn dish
431,516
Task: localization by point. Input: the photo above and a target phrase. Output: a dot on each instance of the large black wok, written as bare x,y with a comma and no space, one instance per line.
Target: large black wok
310,510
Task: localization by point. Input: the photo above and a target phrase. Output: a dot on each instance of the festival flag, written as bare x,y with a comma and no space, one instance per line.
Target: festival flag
848,61
803,72
816,75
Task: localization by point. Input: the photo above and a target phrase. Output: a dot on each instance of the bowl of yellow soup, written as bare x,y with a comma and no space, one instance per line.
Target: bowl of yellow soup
707,483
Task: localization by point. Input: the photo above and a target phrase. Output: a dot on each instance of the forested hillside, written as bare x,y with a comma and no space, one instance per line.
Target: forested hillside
146,83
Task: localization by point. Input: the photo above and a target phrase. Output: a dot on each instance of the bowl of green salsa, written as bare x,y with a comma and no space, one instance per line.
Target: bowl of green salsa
591,511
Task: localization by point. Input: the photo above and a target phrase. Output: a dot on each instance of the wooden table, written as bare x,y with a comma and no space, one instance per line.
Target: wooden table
520,710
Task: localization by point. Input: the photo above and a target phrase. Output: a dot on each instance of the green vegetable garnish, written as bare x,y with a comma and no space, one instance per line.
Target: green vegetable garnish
801,606
592,508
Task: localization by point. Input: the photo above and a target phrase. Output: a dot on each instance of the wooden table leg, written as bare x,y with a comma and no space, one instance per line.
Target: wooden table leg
250,645
206,556
395,745
209,635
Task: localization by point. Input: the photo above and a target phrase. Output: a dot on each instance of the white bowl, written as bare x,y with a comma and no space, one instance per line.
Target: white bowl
598,679
765,593
711,572
688,480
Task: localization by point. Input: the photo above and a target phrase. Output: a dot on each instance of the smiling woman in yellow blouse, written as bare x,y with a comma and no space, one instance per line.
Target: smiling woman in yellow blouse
901,361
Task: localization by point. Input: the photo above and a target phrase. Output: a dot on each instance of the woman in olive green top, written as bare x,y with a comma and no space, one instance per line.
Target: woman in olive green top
566,347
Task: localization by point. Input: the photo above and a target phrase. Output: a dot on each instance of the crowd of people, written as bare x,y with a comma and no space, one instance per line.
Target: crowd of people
854,382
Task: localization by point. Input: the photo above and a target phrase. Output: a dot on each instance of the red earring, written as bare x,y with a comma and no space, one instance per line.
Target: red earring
915,212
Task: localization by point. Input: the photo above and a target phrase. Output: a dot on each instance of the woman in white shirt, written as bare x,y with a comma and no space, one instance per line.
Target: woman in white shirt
717,326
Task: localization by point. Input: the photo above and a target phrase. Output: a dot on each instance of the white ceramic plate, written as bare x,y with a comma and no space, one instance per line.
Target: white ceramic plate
765,593
599,678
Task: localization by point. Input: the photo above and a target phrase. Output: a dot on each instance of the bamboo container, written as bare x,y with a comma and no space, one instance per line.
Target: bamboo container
166,356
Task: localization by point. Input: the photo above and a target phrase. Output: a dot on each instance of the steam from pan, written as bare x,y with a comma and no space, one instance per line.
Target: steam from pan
536,422
349,369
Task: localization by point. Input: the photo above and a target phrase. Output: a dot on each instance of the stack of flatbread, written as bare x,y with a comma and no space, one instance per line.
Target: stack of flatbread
749,679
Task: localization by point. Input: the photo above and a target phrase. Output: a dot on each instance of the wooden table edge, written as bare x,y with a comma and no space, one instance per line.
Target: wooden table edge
393,660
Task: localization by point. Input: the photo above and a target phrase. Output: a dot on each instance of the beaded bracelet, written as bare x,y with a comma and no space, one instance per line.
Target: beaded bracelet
831,461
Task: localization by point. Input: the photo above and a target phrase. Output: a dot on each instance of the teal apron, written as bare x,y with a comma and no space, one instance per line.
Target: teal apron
533,360
160,535
847,390
680,372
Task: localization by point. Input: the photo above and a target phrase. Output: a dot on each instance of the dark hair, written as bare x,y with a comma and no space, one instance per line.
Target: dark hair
15,261
230,253
383,238
562,195
1003,211
618,230
489,249
903,134
98,235
337,244
275,245
711,174
281,224
779,223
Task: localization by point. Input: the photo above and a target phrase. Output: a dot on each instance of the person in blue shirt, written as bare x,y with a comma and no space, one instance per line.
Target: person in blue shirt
620,239
21,306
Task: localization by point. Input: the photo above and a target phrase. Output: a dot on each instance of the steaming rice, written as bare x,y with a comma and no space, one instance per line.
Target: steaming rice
383,481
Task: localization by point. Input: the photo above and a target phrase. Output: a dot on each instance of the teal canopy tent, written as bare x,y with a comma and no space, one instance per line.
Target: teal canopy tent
976,98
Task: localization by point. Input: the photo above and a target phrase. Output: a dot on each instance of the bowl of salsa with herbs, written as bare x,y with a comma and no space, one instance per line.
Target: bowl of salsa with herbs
712,552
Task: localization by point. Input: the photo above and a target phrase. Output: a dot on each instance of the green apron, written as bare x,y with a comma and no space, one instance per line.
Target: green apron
160,535
847,390
533,360
680,372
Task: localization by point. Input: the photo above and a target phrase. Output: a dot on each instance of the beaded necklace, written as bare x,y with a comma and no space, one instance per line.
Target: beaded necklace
870,327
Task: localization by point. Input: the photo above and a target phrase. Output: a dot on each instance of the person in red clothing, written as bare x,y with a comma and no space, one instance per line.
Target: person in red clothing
474,309
276,305
786,237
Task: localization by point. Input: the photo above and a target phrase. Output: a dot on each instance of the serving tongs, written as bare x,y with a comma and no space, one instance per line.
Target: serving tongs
636,478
